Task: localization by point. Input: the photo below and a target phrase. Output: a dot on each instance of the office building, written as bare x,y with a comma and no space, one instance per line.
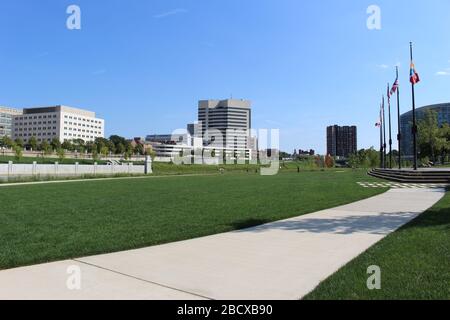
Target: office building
6,120
225,123
341,141
180,139
443,113
60,122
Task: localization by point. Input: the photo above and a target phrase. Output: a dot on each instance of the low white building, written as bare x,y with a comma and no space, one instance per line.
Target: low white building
60,122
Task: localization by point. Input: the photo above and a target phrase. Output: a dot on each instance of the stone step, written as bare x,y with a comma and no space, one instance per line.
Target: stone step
411,177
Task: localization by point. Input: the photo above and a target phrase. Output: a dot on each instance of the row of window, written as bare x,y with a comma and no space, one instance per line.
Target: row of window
35,134
78,135
35,117
34,129
82,119
80,130
82,125
33,123
39,140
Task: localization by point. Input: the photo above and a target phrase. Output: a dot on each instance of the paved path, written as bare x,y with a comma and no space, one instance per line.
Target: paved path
281,260
401,185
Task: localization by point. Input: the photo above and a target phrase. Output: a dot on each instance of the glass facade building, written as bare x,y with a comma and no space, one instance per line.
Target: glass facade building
443,112
6,120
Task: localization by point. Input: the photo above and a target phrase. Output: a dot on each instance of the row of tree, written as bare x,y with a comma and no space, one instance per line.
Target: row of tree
115,145
433,140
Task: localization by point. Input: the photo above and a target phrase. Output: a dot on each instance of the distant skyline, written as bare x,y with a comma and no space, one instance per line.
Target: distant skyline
143,65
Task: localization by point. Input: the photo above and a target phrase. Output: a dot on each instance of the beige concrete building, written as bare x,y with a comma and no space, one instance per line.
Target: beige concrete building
60,122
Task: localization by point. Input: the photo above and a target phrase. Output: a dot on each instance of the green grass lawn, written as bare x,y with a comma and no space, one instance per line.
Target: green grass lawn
41,223
414,262
160,168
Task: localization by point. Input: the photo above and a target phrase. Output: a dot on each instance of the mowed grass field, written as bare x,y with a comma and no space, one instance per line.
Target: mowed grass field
414,262
49,222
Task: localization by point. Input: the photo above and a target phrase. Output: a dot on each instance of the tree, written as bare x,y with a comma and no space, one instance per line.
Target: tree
365,158
6,142
19,142
430,140
111,147
79,145
45,147
119,144
353,161
104,151
100,143
95,154
329,161
67,145
61,154
91,147
18,152
32,143
120,148
56,144
139,149
150,152
445,136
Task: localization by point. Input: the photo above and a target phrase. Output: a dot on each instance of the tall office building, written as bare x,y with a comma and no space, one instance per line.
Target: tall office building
341,141
60,122
225,122
6,120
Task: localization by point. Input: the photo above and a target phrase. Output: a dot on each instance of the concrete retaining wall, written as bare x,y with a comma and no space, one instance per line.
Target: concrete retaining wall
60,170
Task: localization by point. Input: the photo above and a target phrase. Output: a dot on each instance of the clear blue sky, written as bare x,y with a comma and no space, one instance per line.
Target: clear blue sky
143,64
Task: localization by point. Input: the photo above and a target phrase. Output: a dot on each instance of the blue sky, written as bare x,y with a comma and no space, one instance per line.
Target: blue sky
143,64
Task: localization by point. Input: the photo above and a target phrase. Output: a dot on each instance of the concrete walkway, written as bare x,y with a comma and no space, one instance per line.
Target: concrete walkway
281,260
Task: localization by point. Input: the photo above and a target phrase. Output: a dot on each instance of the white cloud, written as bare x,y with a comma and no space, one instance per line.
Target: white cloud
170,13
99,72
443,73
383,66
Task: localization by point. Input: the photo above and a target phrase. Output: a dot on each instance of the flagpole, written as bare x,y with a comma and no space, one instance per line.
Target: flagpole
381,140
390,129
399,136
384,136
414,127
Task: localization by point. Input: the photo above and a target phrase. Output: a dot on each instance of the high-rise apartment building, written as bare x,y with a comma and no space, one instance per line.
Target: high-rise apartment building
225,122
60,122
341,141
6,120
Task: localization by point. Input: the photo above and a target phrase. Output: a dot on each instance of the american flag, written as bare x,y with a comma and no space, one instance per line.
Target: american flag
394,87
388,94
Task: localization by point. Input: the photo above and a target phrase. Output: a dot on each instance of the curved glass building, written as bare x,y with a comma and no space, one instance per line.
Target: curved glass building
443,111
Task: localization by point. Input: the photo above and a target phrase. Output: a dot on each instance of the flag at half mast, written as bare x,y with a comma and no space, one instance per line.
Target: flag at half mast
379,123
413,75
394,87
